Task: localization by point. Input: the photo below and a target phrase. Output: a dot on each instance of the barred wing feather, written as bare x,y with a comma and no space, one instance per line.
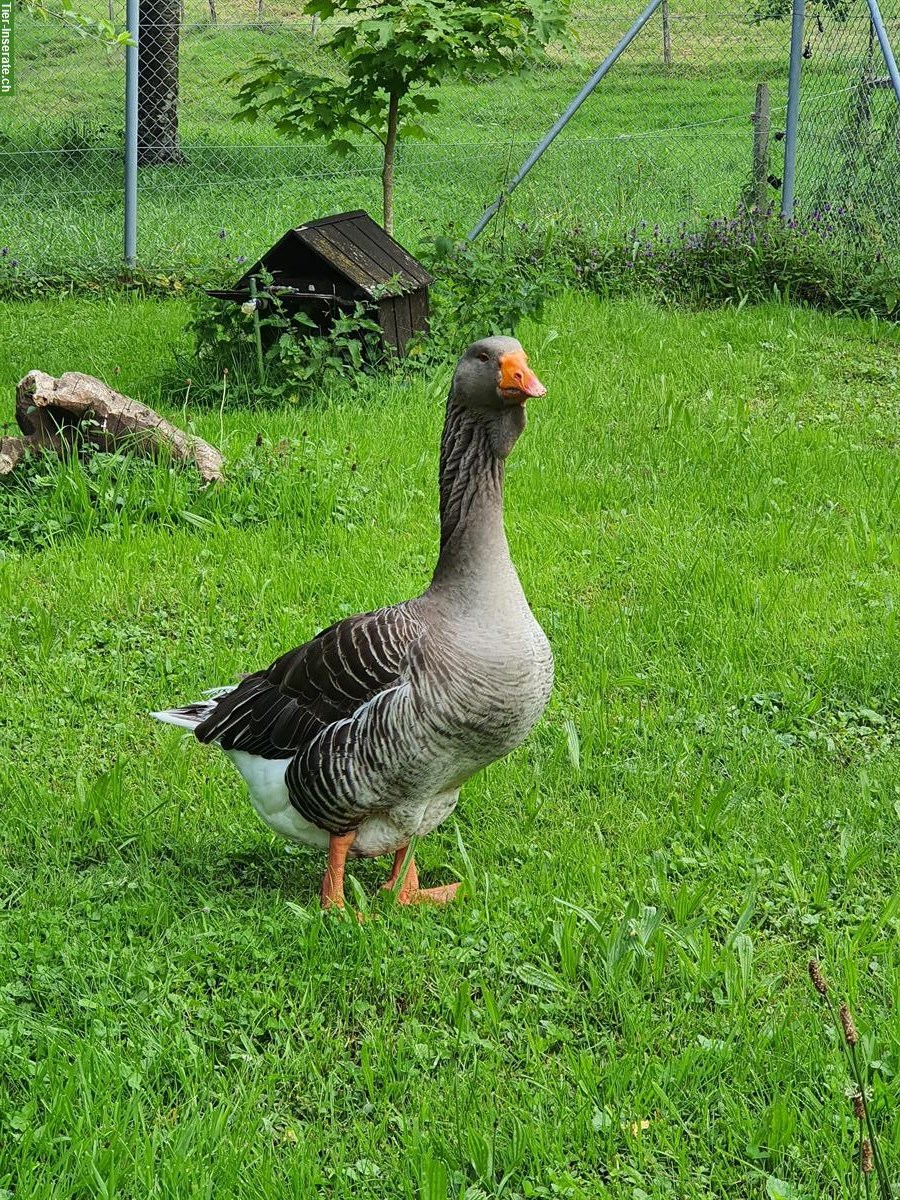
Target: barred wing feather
279,711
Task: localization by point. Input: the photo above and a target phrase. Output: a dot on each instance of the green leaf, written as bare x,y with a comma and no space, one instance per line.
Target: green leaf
424,104
193,518
779,1189
573,744
535,977
744,947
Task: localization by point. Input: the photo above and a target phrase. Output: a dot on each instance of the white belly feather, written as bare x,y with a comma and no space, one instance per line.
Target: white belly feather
264,778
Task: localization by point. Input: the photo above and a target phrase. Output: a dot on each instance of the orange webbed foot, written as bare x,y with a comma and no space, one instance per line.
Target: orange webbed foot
435,895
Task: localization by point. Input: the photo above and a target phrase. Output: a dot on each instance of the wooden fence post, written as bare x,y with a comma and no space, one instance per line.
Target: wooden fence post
761,124
667,35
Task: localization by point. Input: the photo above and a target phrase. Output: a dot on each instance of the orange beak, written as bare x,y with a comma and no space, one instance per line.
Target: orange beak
517,380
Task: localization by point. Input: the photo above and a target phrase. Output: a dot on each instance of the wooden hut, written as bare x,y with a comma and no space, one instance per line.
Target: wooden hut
326,266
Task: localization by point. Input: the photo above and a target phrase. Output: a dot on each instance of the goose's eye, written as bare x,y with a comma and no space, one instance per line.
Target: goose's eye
482,357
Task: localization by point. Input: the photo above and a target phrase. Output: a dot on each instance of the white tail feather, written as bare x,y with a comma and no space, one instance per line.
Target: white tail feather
190,716
176,716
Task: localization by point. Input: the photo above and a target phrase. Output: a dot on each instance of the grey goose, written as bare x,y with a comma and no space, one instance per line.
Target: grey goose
361,738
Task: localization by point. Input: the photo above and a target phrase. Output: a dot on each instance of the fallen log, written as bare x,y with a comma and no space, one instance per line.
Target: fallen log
74,410
11,450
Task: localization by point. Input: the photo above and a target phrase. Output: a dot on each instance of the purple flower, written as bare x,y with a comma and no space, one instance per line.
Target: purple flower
241,258
222,233
4,252
13,262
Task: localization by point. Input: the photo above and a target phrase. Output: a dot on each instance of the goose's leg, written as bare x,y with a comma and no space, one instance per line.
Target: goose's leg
333,883
409,891
410,878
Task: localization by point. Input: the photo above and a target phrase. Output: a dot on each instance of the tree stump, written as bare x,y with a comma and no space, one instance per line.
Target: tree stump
77,410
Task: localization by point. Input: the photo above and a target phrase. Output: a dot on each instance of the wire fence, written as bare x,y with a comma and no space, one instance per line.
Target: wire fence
670,135
848,159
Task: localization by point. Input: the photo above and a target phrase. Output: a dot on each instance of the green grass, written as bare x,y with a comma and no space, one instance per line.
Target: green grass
705,515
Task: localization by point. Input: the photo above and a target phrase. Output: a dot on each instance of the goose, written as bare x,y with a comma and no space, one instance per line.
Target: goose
360,739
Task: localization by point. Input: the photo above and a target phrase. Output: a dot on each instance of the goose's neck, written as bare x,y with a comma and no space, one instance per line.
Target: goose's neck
474,550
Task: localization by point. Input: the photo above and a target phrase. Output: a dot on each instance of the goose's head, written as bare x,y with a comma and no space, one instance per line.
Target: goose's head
494,374
494,380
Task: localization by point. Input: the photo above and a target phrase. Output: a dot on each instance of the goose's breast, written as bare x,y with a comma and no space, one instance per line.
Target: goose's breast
497,686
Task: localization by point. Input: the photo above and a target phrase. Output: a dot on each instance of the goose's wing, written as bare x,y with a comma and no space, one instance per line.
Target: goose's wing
278,711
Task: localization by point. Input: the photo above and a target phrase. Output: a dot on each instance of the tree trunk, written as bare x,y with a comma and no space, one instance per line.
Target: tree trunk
158,83
387,172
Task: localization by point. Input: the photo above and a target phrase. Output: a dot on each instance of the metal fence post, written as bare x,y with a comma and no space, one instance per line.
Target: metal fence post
570,112
885,43
793,108
131,133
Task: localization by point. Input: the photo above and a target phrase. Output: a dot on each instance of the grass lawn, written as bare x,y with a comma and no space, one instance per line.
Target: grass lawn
705,512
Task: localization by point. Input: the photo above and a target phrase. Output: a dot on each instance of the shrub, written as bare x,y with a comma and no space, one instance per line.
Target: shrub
276,353
751,255
477,292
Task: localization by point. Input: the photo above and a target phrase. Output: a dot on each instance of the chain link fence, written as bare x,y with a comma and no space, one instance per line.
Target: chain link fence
668,136
848,162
